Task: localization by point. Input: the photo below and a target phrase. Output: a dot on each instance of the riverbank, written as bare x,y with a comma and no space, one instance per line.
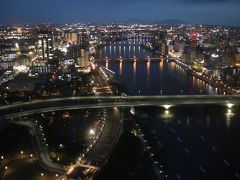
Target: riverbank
224,88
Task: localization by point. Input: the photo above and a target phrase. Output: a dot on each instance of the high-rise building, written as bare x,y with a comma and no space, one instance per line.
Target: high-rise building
71,37
194,36
83,58
164,47
45,44
80,51
80,55
83,41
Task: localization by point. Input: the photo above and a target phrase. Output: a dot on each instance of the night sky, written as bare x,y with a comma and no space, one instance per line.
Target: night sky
225,12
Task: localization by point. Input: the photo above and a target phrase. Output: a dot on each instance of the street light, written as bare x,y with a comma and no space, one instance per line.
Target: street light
91,132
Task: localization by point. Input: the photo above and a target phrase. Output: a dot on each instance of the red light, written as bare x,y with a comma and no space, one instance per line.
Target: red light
53,77
194,35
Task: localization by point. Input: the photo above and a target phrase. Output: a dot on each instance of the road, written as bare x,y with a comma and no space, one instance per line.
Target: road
40,149
100,150
112,101
93,159
96,154
178,99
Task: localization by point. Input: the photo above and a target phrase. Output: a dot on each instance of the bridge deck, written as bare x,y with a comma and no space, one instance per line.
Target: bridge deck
86,102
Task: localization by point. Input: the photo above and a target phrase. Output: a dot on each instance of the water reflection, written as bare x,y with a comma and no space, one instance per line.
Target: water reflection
134,72
229,114
209,139
106,64
148,71
172,66
120,69
161,66
166,115
168,77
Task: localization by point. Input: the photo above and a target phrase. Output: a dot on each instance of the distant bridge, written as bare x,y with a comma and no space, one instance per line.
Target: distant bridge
131,59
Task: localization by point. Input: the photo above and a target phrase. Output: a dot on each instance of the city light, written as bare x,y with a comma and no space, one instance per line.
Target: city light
91,132
154,85
166,112
167,106
230,105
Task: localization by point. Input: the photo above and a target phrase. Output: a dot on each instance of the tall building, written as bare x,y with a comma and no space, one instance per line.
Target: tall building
83,41
81,55
194,36
83,58
45,44
80,51
71,37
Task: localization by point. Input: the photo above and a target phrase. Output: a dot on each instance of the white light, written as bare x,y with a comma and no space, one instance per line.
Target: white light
167,112
91,132
17,46
21,68
214,56
229,105
167,106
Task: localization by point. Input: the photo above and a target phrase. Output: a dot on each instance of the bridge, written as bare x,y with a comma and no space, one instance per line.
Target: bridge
90,102
129,59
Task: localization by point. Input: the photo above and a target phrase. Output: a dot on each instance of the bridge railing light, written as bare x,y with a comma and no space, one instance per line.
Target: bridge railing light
230,105
167,106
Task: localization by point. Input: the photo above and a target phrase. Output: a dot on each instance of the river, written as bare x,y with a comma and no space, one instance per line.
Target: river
188,142
149,78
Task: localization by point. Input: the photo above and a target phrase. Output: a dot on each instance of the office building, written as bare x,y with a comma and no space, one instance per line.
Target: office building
45,44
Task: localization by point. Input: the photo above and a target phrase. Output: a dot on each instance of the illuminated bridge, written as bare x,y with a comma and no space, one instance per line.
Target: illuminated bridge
88,102
130,59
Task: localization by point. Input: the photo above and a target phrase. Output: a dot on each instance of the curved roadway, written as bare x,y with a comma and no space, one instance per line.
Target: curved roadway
86,102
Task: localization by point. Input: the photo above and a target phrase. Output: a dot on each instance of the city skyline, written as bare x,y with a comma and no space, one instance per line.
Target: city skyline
136,11
120,90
